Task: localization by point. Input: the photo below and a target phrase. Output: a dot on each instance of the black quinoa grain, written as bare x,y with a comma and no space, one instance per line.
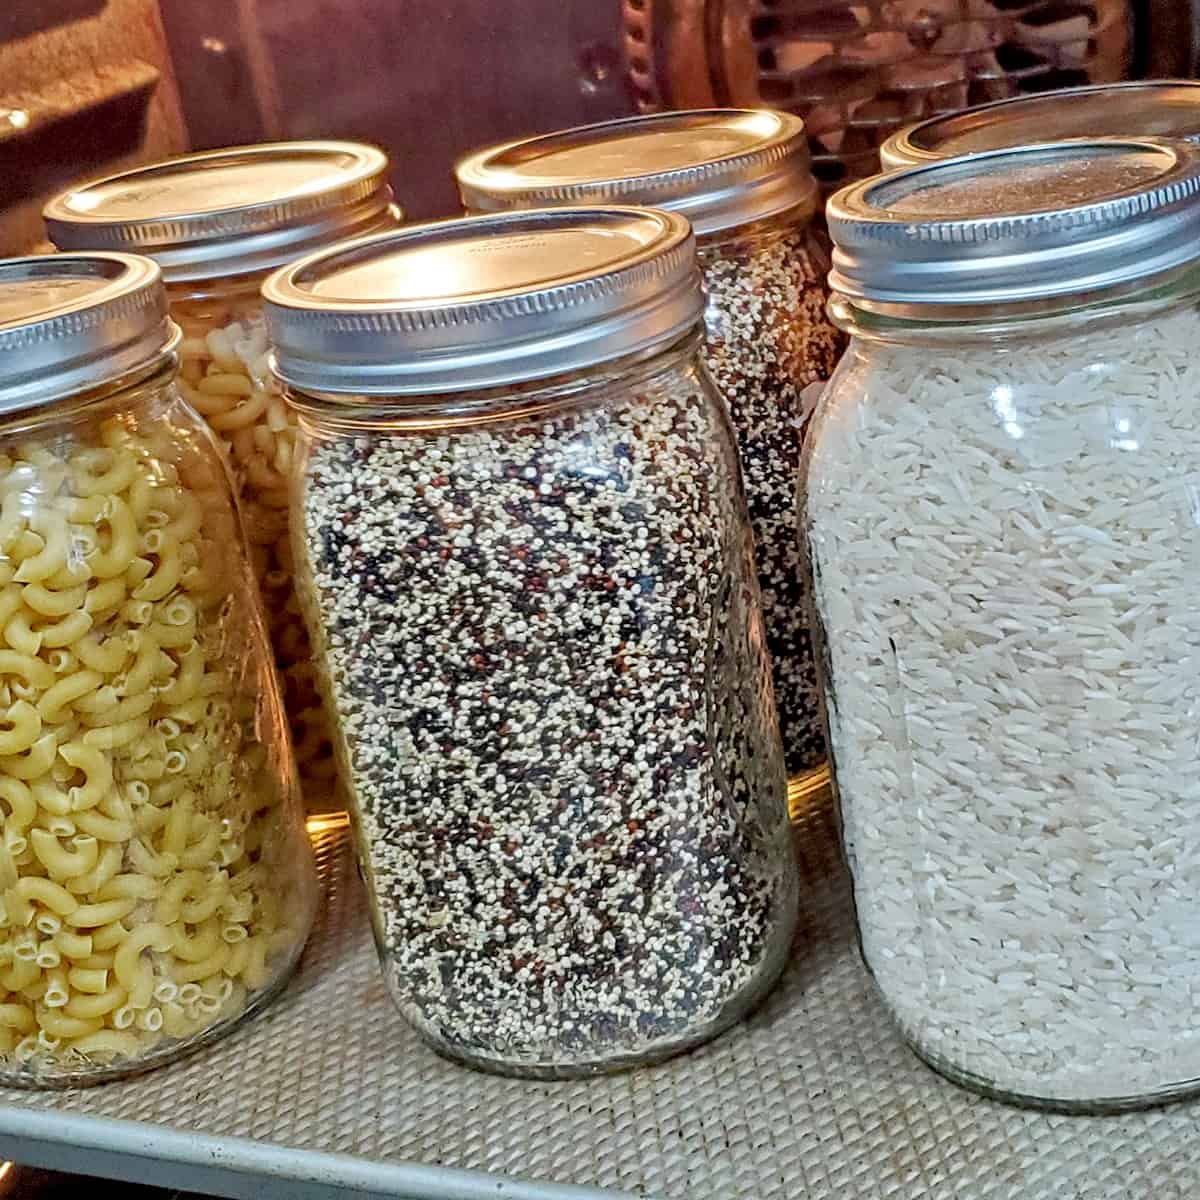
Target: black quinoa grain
560,736
769,339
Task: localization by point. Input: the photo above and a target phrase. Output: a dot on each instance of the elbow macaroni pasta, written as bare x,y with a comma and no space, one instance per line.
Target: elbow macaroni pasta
225,377
142,844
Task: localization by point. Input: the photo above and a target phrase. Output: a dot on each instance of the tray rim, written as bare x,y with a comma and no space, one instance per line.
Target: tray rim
123,1149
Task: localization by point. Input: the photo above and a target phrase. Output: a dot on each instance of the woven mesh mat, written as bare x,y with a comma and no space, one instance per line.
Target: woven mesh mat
813,1097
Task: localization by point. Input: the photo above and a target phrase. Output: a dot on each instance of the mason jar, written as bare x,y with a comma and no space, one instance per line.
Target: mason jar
156,884
522,544
1141,108
1004,536
218,223
742,177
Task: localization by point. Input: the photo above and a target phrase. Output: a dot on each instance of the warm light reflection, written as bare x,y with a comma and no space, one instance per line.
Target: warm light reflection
808,793
18,118
84,201
326,823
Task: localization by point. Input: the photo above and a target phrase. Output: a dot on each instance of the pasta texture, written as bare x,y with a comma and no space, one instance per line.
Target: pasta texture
225,376
154,875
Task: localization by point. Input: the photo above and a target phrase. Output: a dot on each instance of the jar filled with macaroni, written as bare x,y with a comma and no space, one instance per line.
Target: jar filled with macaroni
743,179
156,884
216,223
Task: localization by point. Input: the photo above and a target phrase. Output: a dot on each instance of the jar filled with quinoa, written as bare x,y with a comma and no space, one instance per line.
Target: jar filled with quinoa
526,557
156,883
742,178
217,223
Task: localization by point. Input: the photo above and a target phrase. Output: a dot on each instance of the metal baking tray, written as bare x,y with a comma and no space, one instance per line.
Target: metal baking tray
330,1094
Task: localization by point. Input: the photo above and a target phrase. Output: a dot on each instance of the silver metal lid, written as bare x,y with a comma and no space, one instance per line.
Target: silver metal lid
72,322
719,167
240,210
1145,108
1033,224
483,301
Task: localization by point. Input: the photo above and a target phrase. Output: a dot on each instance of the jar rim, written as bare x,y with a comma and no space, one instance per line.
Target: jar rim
70,323
1049,222
497,403
485,301
231,211
949,326
720,167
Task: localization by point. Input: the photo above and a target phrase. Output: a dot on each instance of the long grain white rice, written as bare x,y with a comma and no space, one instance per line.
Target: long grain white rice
1006,554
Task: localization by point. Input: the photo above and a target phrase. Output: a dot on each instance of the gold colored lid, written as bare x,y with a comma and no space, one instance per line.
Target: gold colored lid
233,211
484,301
719,167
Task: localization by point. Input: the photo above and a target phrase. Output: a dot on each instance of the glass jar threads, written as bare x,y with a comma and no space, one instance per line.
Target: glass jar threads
524,548
1142,108
742,178
156,884
1005,549
217,223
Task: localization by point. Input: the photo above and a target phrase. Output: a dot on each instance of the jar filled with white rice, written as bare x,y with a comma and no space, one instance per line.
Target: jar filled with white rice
1003,524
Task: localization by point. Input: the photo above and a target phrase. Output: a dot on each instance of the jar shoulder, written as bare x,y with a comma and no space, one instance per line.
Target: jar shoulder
1145,369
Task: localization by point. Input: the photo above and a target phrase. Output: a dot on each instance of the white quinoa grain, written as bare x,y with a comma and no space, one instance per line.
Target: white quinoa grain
564,747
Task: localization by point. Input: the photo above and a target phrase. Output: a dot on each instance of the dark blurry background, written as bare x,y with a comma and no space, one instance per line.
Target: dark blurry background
29,1183
423,78
90,85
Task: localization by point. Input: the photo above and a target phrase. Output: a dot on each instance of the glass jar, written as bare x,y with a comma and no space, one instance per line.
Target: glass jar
224,376
523,545
1002,524
156,884
217,223
770,348
742,178
1142,108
